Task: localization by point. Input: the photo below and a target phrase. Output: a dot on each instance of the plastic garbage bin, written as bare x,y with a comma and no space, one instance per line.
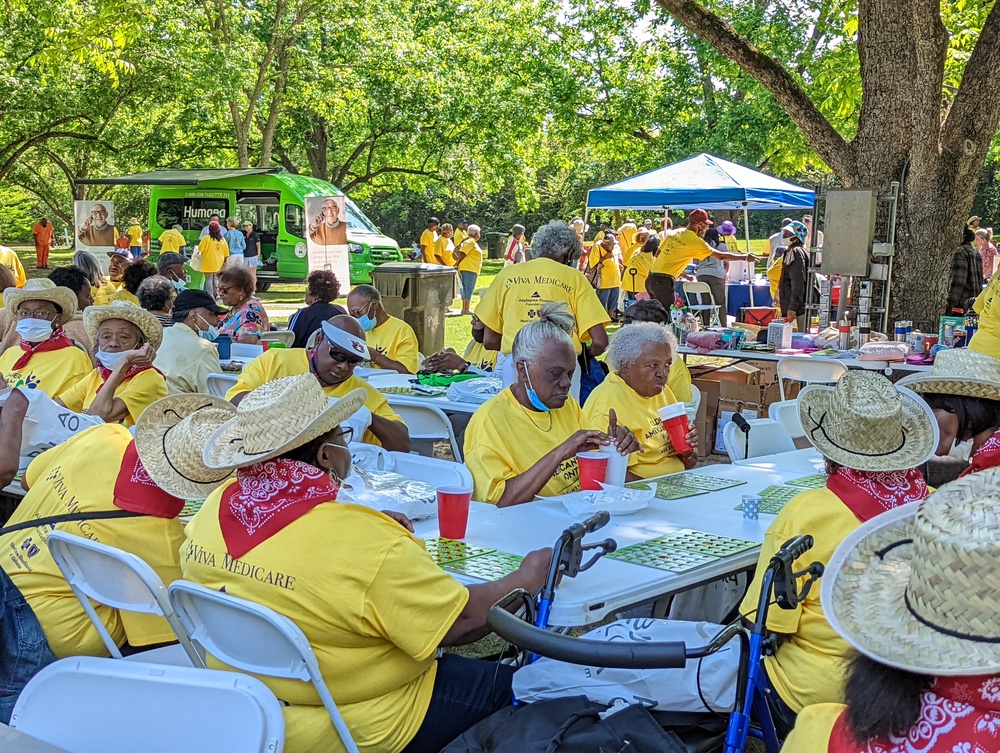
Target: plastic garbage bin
494,244
419,294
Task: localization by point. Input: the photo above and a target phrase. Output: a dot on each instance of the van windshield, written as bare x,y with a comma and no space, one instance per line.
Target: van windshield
356,219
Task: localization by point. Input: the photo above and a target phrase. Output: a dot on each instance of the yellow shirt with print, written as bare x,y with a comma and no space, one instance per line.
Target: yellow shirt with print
677,249
135,235
518,293
51,371
987,305
374,607
679,380
444,252
79,476
428,239
609,276
629,251
473,259
813,729
504,439
213,254
808,666
477,355
10,259
171,242
124,295
396,340
657,456
641,263
107,292
138,393
282,362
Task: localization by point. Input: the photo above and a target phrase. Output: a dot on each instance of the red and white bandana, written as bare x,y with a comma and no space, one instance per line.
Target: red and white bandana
987,456
868,493
267,497
130,372
57,341
135,491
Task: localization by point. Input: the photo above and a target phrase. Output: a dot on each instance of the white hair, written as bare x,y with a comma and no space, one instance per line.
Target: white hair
983,233
632,340
555,322
556,240
475,230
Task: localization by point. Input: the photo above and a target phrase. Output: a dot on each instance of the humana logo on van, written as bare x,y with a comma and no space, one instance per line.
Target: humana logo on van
196,213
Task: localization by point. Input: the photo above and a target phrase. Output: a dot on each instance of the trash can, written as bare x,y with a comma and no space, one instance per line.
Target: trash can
419,294
494,244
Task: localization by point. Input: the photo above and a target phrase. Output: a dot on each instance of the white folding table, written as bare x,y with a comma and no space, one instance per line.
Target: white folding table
393,379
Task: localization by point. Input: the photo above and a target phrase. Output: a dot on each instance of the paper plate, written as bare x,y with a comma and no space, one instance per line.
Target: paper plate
616,500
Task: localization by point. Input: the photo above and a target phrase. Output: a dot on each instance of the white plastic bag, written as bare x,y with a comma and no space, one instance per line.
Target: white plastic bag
385,490
712,678
46,424
475,390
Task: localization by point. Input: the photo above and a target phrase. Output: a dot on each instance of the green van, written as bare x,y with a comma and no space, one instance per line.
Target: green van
274,200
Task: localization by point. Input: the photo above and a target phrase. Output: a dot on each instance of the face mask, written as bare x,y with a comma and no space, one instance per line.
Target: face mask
536,402
367,321
211,334
179,285
110,360
34,330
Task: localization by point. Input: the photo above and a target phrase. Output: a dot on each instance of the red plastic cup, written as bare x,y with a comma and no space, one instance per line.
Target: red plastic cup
264,344
593,470
674,419
453,511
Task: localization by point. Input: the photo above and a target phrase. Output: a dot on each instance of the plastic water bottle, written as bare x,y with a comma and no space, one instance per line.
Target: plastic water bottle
617,465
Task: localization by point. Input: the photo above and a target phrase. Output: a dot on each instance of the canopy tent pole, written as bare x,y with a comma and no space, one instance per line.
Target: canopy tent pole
746,235
586,214
666,217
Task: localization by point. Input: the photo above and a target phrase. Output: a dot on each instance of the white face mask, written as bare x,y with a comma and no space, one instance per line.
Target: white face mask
34,330
110,360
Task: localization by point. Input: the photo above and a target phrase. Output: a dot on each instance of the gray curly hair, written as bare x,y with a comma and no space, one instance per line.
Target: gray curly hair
555,322
629,343
557,240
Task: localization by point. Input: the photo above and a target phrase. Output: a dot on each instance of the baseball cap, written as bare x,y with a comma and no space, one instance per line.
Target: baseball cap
123,252
196,299
246,222
697,216
168,259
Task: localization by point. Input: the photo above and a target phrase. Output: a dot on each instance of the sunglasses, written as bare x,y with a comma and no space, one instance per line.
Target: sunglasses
339,357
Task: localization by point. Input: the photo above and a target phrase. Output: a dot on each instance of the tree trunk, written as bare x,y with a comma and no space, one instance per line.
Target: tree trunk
316,149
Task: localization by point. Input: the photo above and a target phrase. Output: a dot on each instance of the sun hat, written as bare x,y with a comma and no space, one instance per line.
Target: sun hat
275,418
918,587
147,323
169,437
959,371
727,228
797,229
41,289
866,423
134,220
973,218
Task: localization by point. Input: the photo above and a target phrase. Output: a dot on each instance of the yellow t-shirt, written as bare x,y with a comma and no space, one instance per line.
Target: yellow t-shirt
51,371
374,607
282,362
428,239
657,456
629,251
213,254
987,305
679,380
813,728
518,292
473,259
137,393
458,236
396,340
505,439
79,476
135,235
10,259
808,666
107,292
171,242
641,263
480,357
609,275
774,267
124,295
678,249
627,233
444,251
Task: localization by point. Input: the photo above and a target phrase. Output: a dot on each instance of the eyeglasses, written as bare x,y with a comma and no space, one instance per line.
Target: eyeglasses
223,289
343,436
21,314
339,357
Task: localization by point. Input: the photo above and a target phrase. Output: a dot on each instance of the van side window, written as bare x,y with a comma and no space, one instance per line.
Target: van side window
295,220
169,212
189,213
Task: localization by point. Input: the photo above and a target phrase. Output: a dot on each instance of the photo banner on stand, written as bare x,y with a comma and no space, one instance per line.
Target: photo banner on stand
327,235
95,229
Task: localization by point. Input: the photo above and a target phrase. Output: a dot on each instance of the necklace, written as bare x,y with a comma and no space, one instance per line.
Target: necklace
531,413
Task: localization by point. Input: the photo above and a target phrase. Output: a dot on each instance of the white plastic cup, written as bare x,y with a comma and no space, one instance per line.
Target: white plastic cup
617,465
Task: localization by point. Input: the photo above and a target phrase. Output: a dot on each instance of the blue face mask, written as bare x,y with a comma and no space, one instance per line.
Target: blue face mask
211,334
367,321
536,402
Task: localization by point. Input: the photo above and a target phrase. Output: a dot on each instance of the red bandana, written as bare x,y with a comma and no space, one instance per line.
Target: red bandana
267,497
135,491
868,494
57,341
131,372
987,456
957,715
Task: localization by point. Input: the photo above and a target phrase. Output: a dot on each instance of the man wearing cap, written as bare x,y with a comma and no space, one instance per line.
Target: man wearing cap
677,249
171,266
118,261
391,341
428,241
332,361
461,231
186,356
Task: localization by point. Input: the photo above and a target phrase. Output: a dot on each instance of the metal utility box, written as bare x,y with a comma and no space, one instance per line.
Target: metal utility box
419,294
848,228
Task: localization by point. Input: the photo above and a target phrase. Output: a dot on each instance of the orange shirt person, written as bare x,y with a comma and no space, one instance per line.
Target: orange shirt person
43,232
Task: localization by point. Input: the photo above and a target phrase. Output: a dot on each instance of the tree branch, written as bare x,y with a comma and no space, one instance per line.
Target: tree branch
367,178
12,159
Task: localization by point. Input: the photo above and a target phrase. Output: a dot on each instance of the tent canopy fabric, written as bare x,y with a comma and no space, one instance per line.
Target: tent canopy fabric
701,181
179,177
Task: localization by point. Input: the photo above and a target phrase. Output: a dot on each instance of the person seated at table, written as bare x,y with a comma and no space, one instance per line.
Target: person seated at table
795,276
523,442
873,437
679,381
132,278
332,361
392,342
963,390
247,318
187,356
322,287
118,261
639,356
156,294
914,592
476,358
124,381
374,606
46,358
78,281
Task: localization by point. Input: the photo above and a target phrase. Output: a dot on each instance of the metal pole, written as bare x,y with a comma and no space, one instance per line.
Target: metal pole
751,272
586,214
891,238
666,216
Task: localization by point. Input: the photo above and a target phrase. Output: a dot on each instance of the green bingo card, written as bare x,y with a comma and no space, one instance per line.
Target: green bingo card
710,544
654,553
680,485
191,507
445,551
492,566
816,481
774,498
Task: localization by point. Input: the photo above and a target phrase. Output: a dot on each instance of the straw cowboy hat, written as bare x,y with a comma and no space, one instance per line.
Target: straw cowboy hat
277,417
169,437
959,371
866,423
148,324
918,587
41,289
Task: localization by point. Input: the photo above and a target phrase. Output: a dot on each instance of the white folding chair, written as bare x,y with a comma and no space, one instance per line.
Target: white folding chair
432,471
88,705
427,422
285,336
767,437
253,638
695,291
122,581
809,370
786,413
695,403
220,384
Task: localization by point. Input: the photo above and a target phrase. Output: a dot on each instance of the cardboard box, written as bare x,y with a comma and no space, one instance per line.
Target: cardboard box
708,383
726,412
706,433
768,371
752,400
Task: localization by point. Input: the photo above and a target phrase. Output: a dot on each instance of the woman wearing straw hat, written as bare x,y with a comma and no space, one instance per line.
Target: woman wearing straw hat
124,382
963,389
45,358
374,606
873,437
915,594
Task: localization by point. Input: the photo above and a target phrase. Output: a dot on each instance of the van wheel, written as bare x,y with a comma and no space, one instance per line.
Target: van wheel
263,286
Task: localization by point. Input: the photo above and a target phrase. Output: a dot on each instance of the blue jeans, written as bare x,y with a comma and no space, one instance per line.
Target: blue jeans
24,650
468,280
608,298
466,691
136,252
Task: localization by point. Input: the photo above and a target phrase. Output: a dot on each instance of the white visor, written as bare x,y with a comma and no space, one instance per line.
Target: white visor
345,341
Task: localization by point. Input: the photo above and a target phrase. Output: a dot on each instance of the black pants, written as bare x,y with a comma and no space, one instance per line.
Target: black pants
661,287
